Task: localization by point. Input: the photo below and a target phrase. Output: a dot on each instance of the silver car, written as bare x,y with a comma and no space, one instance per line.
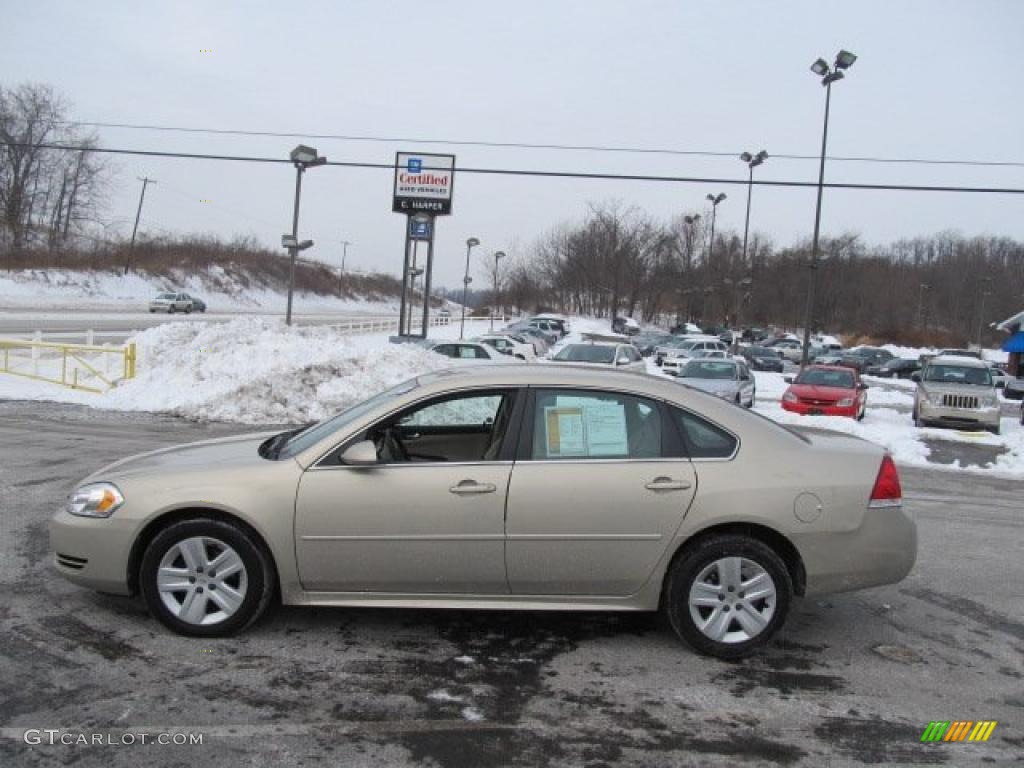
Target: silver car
958,392
547,487
728,379
602,354
176,302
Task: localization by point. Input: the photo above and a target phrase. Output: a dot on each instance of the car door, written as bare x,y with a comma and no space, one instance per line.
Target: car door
747,390
429,518
598,490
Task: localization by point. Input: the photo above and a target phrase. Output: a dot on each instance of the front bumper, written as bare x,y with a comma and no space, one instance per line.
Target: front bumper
986,417
807,409
881,551
93,552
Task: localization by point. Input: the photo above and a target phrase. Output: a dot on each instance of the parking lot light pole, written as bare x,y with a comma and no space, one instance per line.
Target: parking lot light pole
715,200
985,282
752,162
471,243
828,75
498,255
920,303
302,157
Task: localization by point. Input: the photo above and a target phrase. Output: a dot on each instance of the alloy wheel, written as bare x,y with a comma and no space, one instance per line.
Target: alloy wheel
732,600
202,581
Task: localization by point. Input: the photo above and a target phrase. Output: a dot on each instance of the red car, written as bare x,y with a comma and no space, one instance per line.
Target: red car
826,390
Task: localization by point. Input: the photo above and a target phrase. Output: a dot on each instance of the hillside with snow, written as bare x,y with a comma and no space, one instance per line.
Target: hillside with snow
223,290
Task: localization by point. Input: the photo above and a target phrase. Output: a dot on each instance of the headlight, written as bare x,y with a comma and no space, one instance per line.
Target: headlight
789,397
935,398
846,402
94,500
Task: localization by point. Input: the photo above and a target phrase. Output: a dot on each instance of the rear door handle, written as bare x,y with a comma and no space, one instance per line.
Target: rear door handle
666,484
471,486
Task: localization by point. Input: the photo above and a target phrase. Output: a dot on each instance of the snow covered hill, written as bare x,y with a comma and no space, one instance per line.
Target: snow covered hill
222,291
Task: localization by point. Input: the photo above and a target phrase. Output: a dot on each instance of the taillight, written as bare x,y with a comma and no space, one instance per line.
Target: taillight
887,491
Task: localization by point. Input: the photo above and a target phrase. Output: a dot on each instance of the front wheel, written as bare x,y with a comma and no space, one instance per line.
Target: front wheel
727,595
206,578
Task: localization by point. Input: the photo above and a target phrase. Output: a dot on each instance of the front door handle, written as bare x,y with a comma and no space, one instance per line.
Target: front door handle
666,484
472,486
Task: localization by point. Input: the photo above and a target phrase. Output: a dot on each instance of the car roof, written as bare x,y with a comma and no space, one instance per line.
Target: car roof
561,374
962,361
831,368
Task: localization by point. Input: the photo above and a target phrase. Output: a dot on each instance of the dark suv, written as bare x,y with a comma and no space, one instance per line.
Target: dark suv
862,357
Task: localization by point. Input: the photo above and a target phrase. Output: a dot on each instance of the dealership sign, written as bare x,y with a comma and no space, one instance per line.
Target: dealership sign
423,183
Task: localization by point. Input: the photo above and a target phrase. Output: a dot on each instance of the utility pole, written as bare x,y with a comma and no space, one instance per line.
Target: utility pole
920,303
131,246
344,254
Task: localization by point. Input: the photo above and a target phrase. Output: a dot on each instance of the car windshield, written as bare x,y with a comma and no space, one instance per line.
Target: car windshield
166,296
313,434
707,369
587,353
958,374
822,377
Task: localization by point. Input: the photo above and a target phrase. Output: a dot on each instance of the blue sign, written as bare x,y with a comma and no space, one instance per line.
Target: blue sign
419,229
415,165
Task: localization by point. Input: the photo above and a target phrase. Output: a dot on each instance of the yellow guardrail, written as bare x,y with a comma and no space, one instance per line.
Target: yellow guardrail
77,366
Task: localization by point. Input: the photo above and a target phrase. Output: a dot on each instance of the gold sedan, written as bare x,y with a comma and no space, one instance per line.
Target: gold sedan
504,487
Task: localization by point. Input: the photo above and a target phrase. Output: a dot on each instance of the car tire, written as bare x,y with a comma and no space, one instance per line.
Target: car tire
188,309
725,636
170,310
251,581
862,412
997,429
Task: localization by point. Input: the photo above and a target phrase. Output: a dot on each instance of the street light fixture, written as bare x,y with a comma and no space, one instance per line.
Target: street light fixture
471,243
752,162
844,60
715,200
497,256
302,157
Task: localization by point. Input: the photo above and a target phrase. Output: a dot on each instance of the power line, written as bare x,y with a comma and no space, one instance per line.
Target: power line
546,174
528,145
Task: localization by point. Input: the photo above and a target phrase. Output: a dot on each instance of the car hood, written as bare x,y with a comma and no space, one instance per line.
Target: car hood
714,386
936,387
220,452
818,392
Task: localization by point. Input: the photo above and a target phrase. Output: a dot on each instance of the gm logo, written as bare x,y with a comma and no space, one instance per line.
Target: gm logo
415,165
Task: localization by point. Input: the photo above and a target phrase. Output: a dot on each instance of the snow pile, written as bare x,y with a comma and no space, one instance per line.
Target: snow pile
253,371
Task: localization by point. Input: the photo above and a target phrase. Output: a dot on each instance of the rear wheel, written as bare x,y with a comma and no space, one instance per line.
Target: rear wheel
206,578
727,595
188,309
170,310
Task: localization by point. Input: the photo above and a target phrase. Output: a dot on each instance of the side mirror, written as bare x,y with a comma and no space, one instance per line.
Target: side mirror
862,385
361,454
788,379
915,377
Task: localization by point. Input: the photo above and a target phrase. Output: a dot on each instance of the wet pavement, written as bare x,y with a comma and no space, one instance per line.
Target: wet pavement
853,680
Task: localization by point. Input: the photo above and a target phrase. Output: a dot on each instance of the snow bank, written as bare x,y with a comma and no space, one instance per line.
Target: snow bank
253,371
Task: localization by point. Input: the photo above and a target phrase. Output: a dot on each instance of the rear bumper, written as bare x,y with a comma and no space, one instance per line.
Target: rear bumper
881,551
805,409
986,417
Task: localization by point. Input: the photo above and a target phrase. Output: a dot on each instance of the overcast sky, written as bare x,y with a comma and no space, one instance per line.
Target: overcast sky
934,79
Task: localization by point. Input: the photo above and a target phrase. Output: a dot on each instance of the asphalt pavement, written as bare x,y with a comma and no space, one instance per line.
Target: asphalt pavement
853,680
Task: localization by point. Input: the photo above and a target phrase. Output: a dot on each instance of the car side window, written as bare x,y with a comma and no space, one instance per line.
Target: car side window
704,440
447,350
582,424
463,427
479,353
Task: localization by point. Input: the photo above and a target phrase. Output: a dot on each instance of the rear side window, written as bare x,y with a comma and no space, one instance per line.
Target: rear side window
704,440
581,424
